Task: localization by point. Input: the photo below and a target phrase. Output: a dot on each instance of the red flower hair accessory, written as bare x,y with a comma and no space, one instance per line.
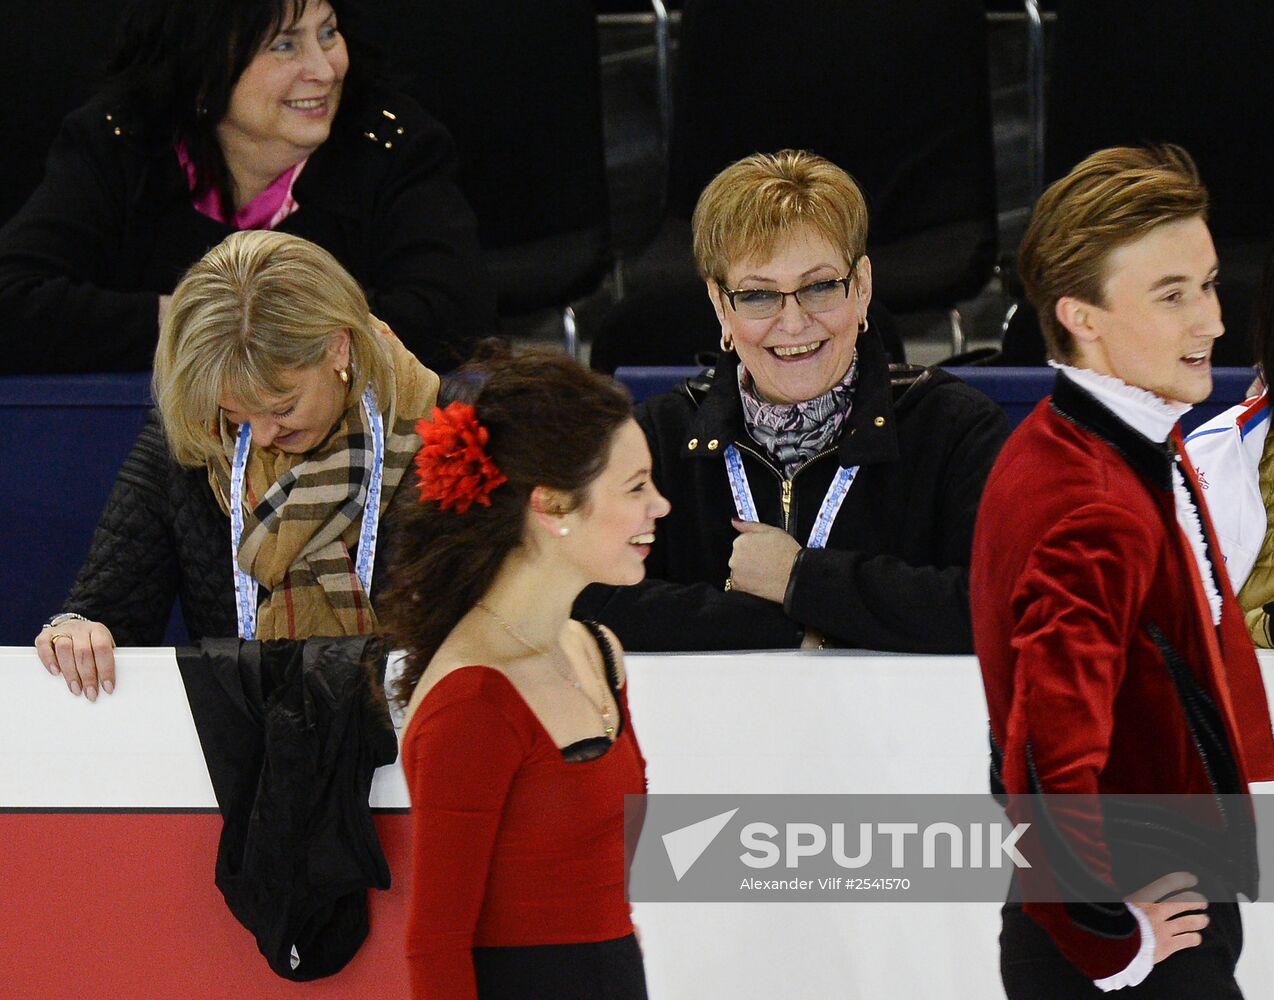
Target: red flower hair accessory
453,466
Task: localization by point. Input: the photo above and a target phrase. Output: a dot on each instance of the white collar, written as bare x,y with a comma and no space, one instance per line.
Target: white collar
1149,415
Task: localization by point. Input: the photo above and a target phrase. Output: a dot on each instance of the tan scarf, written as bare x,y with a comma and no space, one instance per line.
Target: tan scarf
303,513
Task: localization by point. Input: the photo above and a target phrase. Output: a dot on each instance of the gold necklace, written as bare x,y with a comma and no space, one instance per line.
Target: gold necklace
602,710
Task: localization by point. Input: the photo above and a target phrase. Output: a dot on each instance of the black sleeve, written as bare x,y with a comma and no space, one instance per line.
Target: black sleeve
429,283
882,602
129,579
55,312
658,615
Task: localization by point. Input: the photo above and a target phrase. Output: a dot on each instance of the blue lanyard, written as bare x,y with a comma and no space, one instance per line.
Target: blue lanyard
245,587
746,507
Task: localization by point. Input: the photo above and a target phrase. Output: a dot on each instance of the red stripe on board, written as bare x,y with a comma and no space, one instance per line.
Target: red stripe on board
123,905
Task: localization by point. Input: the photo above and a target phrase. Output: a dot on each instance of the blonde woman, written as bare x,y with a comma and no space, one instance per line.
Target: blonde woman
255,493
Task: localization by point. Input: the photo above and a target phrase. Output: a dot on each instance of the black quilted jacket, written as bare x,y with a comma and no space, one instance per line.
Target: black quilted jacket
163,536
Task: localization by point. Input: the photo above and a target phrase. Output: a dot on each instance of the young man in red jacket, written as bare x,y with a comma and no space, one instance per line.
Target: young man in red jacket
1113,651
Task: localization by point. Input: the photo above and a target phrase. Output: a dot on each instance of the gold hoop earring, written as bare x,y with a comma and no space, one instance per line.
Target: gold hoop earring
727,342
862,326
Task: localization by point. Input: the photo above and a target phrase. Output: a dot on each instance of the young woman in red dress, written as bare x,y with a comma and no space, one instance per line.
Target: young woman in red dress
517,746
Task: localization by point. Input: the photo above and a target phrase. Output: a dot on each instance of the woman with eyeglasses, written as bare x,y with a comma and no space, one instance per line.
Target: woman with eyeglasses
819,497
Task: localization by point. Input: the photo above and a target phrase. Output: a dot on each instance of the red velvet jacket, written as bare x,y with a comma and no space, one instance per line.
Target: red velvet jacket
1083,587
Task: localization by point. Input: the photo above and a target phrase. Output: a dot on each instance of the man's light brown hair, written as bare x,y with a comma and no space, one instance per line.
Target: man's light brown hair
749,209
1111,198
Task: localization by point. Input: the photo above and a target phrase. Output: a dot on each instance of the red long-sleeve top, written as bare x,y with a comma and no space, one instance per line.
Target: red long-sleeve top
511,844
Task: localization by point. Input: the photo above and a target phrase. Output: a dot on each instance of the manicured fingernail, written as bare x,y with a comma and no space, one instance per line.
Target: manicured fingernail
108,686
55,670
90,693
75,687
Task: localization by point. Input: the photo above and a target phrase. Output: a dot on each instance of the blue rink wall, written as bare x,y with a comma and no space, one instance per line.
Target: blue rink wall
63,437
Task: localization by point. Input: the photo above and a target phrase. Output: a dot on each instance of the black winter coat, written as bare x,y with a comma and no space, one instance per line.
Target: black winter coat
111,228
894,574
163,535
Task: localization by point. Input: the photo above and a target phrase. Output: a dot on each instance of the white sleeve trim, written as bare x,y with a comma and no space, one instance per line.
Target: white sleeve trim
1141,964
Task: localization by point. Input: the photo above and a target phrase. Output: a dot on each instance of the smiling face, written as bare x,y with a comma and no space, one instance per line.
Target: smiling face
288,95
796,355
1161,316
613,529
300,418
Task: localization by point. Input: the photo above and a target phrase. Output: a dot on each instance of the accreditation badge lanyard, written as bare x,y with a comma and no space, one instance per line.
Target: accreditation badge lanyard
746,507
245,587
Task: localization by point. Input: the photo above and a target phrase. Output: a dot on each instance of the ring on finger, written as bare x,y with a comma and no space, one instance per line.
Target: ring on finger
55,637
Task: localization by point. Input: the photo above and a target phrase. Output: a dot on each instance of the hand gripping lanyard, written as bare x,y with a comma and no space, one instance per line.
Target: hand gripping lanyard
245,587
831,505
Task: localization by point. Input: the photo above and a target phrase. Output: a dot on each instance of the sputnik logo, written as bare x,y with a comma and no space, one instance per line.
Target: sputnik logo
686,845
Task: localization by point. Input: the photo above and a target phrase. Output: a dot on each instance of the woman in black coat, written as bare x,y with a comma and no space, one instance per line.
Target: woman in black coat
220,116
818,497
285,429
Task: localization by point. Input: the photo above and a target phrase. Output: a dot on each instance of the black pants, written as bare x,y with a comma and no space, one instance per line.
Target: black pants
604,970
1032,968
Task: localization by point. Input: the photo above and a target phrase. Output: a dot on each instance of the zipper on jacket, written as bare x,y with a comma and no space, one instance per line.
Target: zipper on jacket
786,485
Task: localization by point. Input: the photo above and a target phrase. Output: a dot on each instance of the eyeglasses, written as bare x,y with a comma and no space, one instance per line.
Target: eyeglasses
764,303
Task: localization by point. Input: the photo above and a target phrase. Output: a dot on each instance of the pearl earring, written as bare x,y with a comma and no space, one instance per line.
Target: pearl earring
563,531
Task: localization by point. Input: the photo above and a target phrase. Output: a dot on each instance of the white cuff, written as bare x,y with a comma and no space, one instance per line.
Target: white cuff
1142,962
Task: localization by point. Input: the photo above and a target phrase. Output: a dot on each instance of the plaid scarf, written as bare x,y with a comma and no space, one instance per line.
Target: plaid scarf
303,513
793,433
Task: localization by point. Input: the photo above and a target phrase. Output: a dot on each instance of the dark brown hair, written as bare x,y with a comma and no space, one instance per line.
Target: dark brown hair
176,63
551,422
1111,198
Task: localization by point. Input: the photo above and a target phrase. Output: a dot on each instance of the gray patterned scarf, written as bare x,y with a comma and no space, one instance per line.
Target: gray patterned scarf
793,433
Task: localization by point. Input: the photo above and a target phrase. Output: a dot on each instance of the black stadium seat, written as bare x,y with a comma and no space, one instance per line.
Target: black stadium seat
52,55
1199,75
895,93
519,86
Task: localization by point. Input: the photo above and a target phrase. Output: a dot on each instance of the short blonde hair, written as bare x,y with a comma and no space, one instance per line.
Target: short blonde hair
752,206
1111,198
258,305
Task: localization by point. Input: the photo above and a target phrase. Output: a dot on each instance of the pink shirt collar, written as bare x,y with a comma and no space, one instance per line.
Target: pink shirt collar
265,211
